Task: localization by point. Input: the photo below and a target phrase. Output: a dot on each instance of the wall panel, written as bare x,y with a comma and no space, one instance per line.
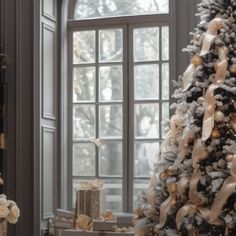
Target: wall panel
49,9
48,170
48,72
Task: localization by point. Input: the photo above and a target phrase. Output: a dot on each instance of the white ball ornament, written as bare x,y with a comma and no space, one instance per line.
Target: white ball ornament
219,116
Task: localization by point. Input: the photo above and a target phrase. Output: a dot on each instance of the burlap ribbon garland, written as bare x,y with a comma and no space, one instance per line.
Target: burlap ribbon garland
183,185
222,196
186,210
183,142
165,209
211,34
199,153
210,101
188,77
168,143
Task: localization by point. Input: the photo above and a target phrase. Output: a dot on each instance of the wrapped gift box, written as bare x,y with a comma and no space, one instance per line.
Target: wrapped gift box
92,233
124,219
61,213
63,224
63,219
89,202
99,225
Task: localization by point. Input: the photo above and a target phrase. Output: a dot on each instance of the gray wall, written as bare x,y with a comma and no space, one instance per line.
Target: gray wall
186,22
29,31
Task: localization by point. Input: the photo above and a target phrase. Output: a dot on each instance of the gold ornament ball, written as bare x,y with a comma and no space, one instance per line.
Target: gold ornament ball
201,100
172,188
215,133
233,123
229,157
234,104
219,116
171,171
138,211
163,176
233,69
197,60
1,181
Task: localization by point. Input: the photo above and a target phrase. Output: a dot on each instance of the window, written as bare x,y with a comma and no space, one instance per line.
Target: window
119,70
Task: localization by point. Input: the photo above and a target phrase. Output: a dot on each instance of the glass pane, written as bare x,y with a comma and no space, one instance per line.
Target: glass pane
165,117
165,82
145,157
110,121
110,157
139,186
83,121
110,83
111,48
146,81
101,8
84,84
165,43
146,44
83,159
113,194
84,47
147,120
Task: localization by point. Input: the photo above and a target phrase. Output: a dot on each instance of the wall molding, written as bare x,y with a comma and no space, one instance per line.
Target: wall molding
46,14
53,131
36,118
45,114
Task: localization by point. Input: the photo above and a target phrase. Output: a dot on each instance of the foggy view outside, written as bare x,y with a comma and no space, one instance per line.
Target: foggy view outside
109,8
98,97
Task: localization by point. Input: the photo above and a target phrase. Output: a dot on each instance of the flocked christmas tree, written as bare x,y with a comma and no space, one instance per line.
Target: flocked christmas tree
193,191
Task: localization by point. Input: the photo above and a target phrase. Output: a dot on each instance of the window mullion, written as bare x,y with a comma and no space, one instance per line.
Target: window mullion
97,120
160,82
131,118
125,120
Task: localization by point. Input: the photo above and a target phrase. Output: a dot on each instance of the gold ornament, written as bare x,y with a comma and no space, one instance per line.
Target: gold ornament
232,69
2,141
138,211
229,157
219,116
233,122
197,60
1,181
171,171
201,100
215,133
172,188
234,104
163,176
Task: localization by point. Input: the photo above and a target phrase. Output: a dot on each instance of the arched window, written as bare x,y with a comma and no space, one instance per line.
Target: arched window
119,71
